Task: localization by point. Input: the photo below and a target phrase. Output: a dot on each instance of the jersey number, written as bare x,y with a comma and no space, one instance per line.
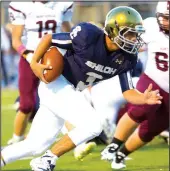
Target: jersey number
161,64
47,25
75,31
89,81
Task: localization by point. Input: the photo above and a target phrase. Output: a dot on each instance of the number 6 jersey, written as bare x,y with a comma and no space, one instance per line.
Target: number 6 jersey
157,67
39,18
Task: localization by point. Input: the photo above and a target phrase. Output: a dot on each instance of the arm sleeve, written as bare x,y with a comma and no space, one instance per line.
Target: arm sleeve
126,81
62,40
16,16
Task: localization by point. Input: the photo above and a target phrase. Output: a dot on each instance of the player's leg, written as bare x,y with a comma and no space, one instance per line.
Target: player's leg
45,127
107,103
28,84
132,118
82,149
144,134
73,107
107,106
156,122
128,123
136,142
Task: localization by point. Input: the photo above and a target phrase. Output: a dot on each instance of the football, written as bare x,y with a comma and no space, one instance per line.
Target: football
55,59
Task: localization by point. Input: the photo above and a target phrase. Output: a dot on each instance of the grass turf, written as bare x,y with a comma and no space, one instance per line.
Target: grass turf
153,157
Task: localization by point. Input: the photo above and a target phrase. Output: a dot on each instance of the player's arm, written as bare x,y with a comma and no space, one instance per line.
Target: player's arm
17,18
134,96
60,40
17,31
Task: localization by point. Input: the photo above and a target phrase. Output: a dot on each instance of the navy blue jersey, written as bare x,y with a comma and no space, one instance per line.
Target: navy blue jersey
87,59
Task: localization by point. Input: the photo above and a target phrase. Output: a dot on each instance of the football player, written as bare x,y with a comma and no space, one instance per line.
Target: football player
107,105
33,19
150,120
91,55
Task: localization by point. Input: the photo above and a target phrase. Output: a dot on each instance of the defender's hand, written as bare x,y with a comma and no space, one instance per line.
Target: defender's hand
152,97
38,70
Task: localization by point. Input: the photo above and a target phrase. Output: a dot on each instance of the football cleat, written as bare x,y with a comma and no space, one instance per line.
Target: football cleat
117,166
83,150
165,135
118,161
43,163
109,152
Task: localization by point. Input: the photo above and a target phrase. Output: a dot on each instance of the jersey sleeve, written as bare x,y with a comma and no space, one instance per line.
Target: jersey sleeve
83,35
126,81
62,40
80,37
68,11
16,15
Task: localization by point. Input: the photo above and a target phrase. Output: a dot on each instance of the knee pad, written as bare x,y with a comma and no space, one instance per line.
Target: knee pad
95,129
145,136
137,113
83,134
27,104
144,133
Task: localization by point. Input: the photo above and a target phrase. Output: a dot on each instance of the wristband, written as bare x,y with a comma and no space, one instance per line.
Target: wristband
21,49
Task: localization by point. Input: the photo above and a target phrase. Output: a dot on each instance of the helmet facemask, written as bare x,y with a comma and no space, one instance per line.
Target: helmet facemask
122,41
123,25
128,45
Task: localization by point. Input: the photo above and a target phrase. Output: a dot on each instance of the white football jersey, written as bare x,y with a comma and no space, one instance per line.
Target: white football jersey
39,18
157,67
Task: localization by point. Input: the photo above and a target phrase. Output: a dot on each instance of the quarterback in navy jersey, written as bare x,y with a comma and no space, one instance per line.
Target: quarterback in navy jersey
89,60
91,55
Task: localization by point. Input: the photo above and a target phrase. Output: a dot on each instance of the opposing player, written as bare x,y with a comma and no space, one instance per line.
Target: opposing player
151,120
91,55
33,19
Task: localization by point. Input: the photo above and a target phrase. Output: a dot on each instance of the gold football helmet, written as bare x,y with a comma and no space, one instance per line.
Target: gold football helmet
120,23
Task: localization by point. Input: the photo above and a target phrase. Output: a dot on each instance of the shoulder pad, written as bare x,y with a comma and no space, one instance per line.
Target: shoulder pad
85,34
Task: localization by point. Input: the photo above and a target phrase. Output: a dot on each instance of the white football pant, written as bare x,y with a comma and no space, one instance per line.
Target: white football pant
58,102
107,99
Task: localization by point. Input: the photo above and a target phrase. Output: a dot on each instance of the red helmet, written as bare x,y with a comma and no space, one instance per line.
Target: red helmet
162,12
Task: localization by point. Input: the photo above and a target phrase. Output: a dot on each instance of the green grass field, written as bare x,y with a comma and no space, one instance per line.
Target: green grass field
153,157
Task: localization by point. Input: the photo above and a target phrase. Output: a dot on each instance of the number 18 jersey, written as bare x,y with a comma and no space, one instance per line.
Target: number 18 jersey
39,18
157,67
